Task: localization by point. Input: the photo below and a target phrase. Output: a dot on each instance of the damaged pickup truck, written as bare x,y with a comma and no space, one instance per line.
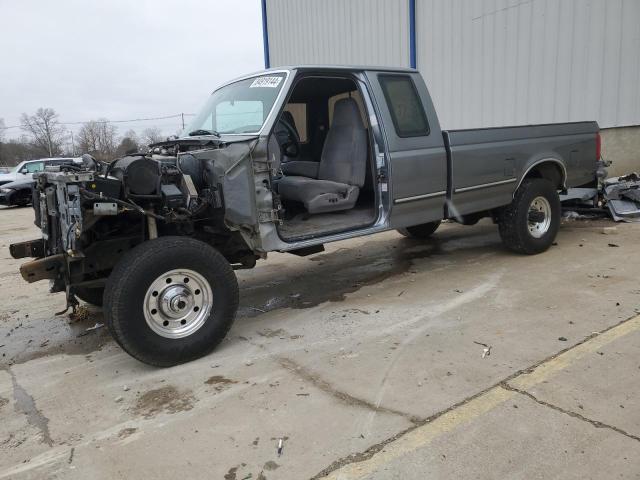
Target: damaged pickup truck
284,160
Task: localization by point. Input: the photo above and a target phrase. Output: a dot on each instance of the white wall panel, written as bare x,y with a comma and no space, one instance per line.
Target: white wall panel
338,32
487,62
503,62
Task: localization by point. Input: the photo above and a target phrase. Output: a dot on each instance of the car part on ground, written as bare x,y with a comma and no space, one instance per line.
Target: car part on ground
622,195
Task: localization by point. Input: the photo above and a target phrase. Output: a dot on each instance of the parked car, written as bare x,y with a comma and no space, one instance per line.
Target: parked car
18,193
26,168
285,160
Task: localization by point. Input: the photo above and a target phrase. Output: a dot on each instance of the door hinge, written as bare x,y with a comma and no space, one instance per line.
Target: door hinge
266,166
268,216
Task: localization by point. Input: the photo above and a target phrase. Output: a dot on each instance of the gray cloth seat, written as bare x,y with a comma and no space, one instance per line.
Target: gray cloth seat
341,170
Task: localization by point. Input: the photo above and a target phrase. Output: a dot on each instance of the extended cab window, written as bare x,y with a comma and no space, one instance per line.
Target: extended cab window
33,167
405,105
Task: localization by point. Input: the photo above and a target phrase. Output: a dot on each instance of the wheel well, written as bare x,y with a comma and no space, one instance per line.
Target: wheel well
549,170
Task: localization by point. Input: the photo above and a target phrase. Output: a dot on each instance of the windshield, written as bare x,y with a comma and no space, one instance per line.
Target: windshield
240,107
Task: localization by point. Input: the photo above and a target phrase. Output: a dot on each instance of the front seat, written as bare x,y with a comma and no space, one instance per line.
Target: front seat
334,183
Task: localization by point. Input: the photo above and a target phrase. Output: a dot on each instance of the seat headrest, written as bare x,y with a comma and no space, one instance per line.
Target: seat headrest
347,113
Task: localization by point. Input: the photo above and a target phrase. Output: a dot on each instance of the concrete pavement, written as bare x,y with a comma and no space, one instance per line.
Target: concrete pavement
366,361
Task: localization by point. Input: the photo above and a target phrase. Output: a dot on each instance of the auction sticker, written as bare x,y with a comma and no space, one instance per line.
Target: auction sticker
266,82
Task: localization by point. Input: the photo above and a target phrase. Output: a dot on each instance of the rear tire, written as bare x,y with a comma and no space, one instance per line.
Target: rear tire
93,296
530,223
170,300
424,230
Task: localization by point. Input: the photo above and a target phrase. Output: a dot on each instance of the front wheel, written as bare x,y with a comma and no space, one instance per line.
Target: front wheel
530,223
170,300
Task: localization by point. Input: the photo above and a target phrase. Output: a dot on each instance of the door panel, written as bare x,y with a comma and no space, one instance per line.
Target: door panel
418,158
419,184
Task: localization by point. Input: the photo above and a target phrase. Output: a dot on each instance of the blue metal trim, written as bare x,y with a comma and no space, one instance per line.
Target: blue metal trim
412,33
265,35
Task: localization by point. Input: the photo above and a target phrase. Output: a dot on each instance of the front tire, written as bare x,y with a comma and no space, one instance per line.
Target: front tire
170,300
530,223
422,231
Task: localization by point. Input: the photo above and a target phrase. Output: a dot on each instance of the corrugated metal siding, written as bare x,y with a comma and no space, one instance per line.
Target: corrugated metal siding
509,62
339,32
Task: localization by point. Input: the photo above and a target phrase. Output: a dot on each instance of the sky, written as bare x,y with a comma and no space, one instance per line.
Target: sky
119,60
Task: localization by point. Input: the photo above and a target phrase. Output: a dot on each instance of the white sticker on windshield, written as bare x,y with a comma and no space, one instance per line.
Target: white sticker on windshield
266,82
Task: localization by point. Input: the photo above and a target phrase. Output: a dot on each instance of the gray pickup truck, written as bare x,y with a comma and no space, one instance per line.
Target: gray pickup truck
284,160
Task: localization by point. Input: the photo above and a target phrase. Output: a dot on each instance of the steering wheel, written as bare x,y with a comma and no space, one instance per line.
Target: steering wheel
290,147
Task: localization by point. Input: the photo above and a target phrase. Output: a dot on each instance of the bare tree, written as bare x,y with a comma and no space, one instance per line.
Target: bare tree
45,130
2,130
98,137
129,143
151,135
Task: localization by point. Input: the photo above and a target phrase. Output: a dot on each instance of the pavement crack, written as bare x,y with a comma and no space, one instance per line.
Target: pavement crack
314,379
571,413
26,405
375,448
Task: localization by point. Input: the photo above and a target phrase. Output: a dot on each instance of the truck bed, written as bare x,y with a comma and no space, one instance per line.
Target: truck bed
486,165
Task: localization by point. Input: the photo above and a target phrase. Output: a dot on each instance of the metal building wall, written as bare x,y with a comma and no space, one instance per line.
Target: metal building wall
505,62
340,32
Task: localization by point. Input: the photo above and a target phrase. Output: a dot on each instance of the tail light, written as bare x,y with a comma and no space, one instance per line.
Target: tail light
598,146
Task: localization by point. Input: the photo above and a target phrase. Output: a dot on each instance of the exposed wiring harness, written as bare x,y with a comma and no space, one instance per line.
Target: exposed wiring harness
122,203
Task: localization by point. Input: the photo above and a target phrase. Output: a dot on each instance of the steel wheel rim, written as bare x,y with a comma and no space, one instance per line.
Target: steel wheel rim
177,303
539,205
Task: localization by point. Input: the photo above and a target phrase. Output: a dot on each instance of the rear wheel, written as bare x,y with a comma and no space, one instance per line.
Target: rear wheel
530,223
424,230
170,300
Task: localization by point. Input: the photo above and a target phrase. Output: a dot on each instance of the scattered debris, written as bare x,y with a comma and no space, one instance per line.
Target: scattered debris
613,244
119,399
258,309
91,329
248,363
609,230
486,351
623,197
280,446
79,314
562,339
125,388
73,449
